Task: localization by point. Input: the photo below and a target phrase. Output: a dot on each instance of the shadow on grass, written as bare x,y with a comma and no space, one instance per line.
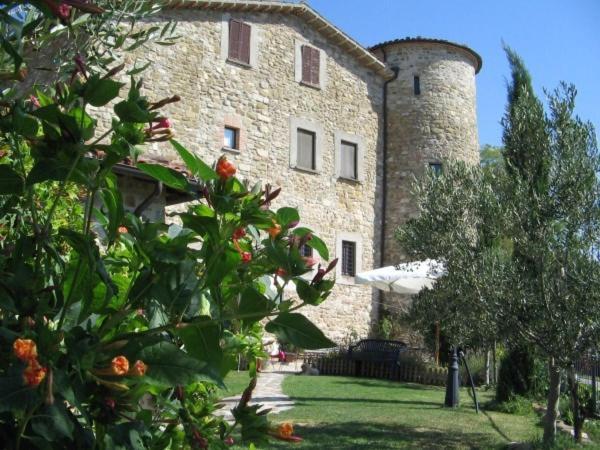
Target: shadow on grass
306,400
385,384
375,436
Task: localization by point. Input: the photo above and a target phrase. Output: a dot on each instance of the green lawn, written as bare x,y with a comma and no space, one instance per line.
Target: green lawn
359,413
235,383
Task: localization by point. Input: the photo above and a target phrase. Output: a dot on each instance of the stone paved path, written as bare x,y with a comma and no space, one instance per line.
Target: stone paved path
268,393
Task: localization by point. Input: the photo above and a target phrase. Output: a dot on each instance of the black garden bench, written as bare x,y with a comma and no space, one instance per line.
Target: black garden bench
369,354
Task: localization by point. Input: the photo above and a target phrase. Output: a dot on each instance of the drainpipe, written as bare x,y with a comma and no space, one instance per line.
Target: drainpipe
158,188
396,71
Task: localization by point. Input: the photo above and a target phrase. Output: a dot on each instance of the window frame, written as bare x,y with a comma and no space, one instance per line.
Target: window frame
436,166
296,124
357,239
313,150
348,267
298,65
341,137
255,39
236,137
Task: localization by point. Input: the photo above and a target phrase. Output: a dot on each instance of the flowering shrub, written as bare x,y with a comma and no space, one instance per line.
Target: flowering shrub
120,341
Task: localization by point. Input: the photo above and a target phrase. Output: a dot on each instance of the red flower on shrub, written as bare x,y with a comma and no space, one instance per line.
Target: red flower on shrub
139,369
25,349
281,272
246,257
34,373
225,169
163,122
119,366
239,233
64,11
34,101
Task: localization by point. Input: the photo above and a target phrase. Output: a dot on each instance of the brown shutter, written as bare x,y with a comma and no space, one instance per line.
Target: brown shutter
314,66
234,39
306,59
245,43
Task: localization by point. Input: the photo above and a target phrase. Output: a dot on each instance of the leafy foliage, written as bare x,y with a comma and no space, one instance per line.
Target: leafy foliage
116,332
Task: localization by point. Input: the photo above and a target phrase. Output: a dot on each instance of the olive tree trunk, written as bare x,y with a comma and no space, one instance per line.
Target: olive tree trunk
575,405
552,406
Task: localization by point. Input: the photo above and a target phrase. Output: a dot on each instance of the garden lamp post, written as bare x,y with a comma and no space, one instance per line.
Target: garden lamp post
452,399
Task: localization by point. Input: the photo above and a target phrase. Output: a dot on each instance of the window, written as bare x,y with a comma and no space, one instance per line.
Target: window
239,41
231,138
306,144
310,65
348,258
306,251
348,159
349,155
417,85
436,168
306,148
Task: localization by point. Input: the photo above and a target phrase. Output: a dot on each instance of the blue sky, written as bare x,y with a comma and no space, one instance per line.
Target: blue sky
558,39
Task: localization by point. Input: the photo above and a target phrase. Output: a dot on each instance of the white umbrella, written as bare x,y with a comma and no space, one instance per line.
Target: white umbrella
407,278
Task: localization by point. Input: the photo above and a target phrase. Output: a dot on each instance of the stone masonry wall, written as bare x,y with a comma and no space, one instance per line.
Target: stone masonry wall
438,124
261,101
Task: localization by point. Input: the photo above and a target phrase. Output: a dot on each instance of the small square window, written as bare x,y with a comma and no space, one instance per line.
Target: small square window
231,138
306,251
348,258
306,149
349,158
417,85
436,168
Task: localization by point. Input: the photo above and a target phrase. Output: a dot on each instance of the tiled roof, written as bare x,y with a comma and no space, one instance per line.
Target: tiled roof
409,40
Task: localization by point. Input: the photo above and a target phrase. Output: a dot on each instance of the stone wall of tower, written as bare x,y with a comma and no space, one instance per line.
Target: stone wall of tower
436,124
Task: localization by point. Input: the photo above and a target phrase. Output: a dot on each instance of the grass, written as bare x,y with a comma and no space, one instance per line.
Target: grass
235,383
353,413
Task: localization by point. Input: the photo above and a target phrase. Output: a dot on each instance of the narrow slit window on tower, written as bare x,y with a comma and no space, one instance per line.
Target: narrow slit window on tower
436,167
417,85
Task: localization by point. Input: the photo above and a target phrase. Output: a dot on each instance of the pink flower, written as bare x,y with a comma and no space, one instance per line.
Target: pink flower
163,122
34,101
64,11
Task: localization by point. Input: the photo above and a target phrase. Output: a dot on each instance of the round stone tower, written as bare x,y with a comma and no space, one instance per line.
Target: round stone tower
431,117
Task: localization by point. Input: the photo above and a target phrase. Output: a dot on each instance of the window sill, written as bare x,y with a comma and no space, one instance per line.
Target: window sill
305,169
318,87
230,150
346,280
349,180
242,64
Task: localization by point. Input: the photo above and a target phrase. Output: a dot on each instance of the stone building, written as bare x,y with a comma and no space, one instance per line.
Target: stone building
294,101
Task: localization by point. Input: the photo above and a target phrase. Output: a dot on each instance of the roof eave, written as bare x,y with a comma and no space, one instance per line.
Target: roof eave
312,17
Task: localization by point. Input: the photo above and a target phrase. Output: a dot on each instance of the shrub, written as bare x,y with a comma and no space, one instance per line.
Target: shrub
520,406
521,373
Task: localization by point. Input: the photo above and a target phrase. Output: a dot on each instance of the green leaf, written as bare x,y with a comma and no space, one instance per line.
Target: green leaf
130,111
308,293
98,92
286,216
10,181
169,365
198,167
202,342
52,422
315,242
14,396
254,306
168,176
299,331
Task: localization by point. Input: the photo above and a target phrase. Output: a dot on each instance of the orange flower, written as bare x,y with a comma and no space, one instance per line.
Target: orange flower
34,373
119,365
225,169
138,369
285,429
122,230
274,230
25,349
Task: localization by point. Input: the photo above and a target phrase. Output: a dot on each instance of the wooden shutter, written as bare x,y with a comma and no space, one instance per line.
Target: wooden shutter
245,43
306,60
234,39
239,41
305,150
314,66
